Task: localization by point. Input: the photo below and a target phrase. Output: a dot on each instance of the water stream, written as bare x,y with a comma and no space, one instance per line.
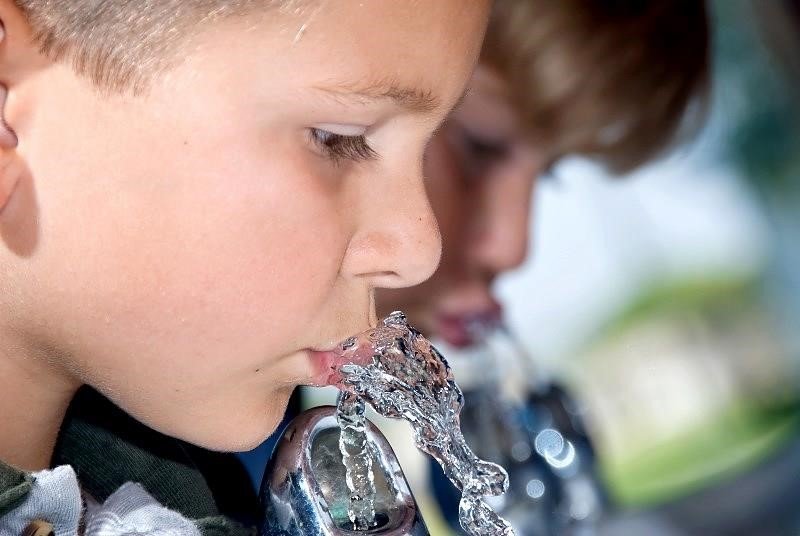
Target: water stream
401,375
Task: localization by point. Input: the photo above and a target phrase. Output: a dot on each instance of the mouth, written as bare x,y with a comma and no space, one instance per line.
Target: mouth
324,363
323,358
322,366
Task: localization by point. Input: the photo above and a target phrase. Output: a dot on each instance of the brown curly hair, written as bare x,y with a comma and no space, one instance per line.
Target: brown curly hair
607,79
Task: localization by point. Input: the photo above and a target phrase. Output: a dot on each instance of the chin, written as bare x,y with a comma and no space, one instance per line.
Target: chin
237,431
238,439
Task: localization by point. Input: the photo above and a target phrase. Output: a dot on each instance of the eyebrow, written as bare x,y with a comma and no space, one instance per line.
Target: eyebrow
414,99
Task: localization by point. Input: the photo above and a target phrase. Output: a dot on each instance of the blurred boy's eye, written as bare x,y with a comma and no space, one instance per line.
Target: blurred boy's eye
485,150
548,174
478,154
339,147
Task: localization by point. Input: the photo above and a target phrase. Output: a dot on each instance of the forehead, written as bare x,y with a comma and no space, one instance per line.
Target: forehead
488,104
267,67
429,47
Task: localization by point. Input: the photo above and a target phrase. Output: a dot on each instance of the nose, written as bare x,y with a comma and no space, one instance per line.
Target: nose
396,242
500,230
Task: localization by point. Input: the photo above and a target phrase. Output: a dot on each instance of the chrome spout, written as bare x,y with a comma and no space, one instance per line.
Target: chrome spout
304,491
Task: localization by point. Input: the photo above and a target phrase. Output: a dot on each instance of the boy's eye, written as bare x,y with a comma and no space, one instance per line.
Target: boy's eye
485,150
338,147
548,174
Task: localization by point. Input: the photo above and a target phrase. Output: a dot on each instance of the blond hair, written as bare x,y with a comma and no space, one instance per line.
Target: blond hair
608,79
121,44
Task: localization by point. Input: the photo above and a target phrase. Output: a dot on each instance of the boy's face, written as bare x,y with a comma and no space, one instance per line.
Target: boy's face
481,170
184,252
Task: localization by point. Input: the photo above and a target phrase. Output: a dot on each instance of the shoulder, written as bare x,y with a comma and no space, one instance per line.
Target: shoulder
51,500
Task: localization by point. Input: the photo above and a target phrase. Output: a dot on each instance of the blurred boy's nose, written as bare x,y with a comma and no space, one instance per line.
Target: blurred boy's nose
397,243
500,233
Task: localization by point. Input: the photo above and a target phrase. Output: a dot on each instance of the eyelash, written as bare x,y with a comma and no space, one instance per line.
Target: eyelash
338,147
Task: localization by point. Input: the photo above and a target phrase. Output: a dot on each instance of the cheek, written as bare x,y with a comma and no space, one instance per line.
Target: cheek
456,203
446,190
257,259
201,263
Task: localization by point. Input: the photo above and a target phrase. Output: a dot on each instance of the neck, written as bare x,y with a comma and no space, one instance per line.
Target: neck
34,396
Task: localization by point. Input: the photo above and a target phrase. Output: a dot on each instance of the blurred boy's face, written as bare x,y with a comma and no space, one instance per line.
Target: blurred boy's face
185,251
480,171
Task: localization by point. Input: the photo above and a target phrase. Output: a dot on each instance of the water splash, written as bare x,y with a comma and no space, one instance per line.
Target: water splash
357,458
400,374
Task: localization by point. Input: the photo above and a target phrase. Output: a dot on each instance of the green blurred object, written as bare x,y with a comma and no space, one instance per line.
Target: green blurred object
744,415
737,440
716,296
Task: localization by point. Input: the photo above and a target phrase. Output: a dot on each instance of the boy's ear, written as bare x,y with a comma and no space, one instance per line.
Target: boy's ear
20,52
9,177
19,57
8,142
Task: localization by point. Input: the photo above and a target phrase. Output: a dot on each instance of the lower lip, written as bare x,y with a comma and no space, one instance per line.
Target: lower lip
326,362
323,366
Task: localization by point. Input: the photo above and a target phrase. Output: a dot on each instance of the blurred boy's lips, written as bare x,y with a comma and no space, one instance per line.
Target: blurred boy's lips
453,332
460,330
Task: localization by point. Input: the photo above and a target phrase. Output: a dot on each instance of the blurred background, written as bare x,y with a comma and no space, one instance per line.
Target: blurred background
669,302
670,299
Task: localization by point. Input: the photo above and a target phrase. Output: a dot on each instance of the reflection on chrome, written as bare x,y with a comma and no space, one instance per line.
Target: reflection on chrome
535,488
557,451
518,418
305,492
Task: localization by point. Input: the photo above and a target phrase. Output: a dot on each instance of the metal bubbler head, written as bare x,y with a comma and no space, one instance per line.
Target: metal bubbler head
305,493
